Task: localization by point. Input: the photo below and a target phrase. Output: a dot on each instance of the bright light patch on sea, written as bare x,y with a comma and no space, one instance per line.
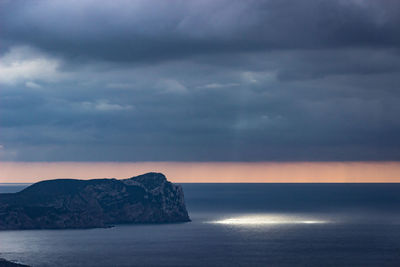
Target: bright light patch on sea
268,219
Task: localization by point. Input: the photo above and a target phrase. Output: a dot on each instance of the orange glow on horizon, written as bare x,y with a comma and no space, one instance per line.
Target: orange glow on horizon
208,172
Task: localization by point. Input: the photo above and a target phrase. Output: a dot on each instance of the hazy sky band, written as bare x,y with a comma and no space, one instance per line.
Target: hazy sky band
208,172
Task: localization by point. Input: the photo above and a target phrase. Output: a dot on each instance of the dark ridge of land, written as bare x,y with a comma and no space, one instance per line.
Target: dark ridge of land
71,203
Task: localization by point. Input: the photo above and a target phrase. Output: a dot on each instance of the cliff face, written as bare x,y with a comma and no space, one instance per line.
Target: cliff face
69,203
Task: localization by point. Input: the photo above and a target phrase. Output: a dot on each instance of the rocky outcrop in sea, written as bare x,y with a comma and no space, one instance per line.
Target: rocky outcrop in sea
71,203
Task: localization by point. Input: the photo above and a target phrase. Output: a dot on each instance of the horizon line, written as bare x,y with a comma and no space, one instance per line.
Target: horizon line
209,172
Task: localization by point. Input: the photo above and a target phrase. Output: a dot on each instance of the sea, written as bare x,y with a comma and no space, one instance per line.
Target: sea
236,225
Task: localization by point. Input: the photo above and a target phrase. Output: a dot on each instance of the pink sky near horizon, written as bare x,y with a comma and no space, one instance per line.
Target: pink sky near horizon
251,172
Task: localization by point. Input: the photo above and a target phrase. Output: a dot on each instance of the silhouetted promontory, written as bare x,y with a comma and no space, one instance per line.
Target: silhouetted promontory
71,203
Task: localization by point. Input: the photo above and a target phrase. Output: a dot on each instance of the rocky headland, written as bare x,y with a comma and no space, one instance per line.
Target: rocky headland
71,203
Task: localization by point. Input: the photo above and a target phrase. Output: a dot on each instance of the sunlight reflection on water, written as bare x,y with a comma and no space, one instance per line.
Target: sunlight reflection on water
268,219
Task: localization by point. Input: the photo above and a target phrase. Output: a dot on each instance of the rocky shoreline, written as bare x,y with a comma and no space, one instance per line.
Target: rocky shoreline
6,263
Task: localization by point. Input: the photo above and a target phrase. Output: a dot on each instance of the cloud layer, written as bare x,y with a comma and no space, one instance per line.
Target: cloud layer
199,80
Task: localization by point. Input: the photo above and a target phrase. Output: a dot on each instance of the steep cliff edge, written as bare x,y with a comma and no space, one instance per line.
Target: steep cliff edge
70,203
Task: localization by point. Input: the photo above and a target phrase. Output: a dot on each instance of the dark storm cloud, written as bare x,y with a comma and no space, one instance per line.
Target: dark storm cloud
161,30
199,80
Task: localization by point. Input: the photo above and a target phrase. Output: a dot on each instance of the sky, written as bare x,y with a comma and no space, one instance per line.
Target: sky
208,172
221,81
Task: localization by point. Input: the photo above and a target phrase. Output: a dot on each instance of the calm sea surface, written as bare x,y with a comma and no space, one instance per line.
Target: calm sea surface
236,225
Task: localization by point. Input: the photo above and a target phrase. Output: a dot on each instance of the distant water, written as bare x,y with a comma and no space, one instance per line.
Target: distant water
236,225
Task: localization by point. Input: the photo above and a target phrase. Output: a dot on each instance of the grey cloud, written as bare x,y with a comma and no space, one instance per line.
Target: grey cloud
201,81
149,31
